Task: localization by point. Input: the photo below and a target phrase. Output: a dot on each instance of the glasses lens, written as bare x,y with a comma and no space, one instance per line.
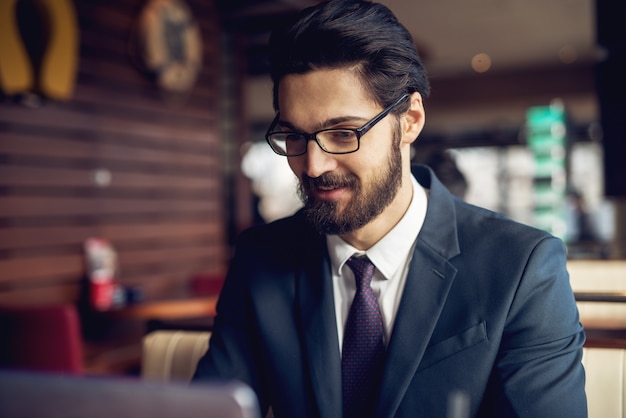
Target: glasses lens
338,140
287,143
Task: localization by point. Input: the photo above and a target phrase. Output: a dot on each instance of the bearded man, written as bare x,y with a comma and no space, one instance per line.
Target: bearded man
385,295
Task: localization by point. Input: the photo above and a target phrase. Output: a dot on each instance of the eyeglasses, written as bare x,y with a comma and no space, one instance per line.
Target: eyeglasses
333,141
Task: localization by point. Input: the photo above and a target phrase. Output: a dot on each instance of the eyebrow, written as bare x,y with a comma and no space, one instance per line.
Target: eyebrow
328,124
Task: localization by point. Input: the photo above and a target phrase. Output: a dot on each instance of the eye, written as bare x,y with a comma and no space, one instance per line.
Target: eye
292,136
340,135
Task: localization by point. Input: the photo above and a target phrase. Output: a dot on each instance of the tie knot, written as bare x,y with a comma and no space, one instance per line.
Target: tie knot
363,270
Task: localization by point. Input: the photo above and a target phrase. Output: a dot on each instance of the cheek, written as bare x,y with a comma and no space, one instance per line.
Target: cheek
295,164
373,159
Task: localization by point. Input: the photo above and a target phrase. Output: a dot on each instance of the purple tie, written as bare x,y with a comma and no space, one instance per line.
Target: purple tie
363,346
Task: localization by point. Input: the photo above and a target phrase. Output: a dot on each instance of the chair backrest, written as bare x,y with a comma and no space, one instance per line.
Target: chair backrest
42,339
606,381
173,355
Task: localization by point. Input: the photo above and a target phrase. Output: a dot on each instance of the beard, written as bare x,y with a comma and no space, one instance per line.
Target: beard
367,203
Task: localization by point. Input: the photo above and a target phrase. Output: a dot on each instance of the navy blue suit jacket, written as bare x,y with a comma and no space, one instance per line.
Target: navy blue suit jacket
487,309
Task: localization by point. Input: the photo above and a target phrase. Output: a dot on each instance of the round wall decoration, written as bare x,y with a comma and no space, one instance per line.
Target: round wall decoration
170,44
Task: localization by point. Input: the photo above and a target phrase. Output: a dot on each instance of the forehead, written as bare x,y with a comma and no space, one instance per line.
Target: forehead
323,94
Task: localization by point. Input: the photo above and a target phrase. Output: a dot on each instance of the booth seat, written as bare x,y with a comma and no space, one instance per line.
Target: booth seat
601,277
170,355
42,338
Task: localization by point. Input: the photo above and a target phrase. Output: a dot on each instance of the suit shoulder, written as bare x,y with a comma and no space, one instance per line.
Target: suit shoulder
285,232
492,223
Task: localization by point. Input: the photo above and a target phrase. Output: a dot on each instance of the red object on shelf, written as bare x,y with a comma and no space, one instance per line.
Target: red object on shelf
102,271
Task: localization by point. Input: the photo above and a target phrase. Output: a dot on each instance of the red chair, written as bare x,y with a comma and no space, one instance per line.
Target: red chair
44,339
206,284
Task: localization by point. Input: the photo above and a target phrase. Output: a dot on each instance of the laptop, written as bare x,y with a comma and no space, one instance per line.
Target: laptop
39,395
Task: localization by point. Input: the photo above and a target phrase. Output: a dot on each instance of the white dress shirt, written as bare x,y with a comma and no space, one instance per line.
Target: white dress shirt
391,257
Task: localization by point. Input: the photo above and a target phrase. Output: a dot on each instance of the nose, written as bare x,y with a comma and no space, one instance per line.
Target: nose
317,161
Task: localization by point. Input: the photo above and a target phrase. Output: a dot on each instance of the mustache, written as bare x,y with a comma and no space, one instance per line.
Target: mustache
329,181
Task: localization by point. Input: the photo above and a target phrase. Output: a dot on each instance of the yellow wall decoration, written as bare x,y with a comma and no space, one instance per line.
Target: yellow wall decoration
55,77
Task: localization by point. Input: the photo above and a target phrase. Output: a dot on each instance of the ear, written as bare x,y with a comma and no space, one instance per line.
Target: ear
413,119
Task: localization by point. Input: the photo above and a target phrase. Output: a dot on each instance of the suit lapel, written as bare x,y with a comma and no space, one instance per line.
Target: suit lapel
424,295
428,282
321,346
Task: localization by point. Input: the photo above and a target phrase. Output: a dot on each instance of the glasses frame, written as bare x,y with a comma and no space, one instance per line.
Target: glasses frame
359,132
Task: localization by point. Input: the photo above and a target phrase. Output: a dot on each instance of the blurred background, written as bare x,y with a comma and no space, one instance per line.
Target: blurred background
140,124
514,113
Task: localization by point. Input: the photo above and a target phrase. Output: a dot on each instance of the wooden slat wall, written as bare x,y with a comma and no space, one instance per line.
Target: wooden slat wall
164,207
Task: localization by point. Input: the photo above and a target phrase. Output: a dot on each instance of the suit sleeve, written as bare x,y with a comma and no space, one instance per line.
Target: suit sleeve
539,372
232,354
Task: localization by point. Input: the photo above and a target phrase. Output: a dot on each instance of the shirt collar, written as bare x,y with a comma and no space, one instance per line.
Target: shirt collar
392,250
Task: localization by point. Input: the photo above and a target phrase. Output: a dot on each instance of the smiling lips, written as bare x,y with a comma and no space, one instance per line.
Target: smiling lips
329,187
329,193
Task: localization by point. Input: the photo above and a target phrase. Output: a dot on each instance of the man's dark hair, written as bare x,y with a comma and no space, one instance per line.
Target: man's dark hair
350,33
